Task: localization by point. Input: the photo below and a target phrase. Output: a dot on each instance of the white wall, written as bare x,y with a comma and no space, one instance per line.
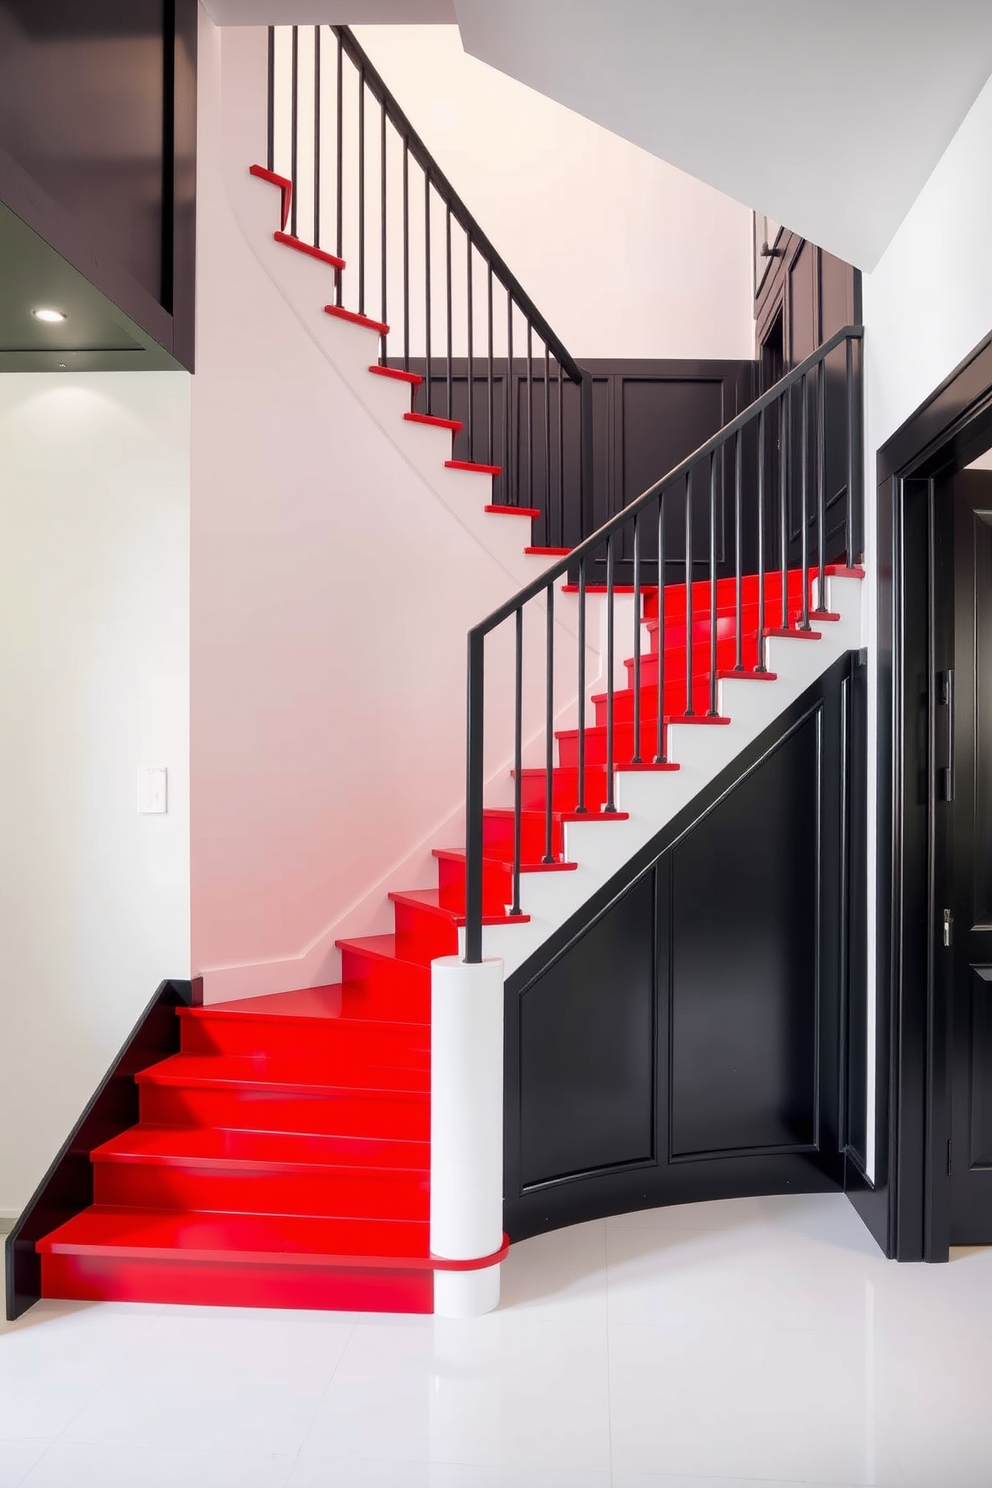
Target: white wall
94,673
626,256
926,305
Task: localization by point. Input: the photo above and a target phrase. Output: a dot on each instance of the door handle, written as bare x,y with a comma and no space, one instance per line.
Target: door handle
945,782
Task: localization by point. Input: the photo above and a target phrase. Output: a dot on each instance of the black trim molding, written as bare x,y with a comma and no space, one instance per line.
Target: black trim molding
67,1187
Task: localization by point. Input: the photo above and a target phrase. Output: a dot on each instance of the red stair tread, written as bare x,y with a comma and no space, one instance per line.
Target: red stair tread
382,946
428,899
353,316
471,465
514,511
413,378
457,855
549,552
303,1240
239,1070
288,241
432,422
305,1002
220,1147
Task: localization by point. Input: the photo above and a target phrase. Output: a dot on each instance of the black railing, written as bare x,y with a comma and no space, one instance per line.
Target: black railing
773,494
421,267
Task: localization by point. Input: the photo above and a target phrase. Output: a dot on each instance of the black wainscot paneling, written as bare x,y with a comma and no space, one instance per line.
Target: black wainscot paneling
709,978
67,1187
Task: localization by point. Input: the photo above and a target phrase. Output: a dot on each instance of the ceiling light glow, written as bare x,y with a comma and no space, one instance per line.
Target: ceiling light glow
50,317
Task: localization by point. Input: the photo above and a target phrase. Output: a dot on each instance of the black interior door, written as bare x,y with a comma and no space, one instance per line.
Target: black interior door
963,901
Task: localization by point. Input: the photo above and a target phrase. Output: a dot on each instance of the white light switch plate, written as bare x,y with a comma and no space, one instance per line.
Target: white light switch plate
153,789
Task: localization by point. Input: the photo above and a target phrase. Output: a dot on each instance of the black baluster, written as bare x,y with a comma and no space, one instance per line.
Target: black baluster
661,743
610,625
580,806
530,414
383,225
470,369
851,449
761,542
448,380
339,166
406,254
361,190
688,594
518,713
636,756
294,125
316,136
474,795
821,482
804,491
738,555
784,419
549,730
714,713
509,488
561,456
270,123
547,450
427,289
490,381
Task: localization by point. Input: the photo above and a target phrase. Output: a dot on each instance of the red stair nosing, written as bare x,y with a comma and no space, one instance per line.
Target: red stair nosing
549,552
284,184
825,615
838,571
321,254
426,900
493,470
798,635
354,318
455,425
513,511
413,378
730,674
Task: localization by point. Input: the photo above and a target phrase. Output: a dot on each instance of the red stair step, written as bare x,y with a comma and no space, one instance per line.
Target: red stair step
325,1045
413,378
354,318
133,1254
214,1090
497,879
379,984
426,929
284,184
288,241
513,511
434,423
471,465
197,1169
549,552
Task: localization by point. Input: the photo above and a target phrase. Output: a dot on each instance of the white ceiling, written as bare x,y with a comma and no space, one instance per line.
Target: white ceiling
828,117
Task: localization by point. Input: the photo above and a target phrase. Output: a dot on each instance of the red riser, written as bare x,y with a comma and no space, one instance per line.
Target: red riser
497,885
370,1193
623,704
564,788
342,1112
378,985
324,1045
498,830
726,594
623,744
218,1284
422,934
675,656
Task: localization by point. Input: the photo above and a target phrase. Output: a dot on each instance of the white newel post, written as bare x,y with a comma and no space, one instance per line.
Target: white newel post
466,1131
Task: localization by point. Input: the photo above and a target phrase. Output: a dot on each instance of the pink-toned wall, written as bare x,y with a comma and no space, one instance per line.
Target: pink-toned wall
331,594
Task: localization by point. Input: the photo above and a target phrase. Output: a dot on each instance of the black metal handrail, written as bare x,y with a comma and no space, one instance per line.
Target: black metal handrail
542,452
771,532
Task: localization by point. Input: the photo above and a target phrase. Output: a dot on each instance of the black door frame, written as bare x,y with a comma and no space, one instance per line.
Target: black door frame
907,1206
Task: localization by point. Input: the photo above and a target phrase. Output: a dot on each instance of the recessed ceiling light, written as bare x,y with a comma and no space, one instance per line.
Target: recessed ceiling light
51,317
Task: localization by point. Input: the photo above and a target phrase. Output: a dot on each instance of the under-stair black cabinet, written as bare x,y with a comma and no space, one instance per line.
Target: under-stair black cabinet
685,1038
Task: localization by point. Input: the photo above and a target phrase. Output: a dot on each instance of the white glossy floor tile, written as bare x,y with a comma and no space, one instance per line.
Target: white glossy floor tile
760,1343
247,1381
88,1465
16,1459
56,1357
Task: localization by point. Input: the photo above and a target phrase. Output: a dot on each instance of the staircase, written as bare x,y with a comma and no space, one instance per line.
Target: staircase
282,1157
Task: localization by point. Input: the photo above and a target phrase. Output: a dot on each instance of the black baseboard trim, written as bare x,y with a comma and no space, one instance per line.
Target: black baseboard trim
67,1187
